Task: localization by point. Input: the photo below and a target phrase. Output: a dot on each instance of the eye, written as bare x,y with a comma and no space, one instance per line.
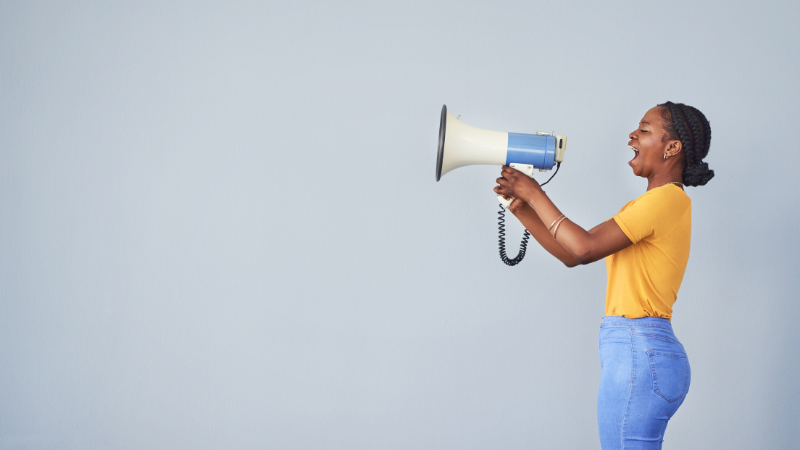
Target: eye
643,131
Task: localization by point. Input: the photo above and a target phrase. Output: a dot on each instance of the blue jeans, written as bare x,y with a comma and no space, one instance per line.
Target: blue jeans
645,378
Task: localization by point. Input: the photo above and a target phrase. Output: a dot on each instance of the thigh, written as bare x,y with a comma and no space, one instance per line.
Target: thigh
616,360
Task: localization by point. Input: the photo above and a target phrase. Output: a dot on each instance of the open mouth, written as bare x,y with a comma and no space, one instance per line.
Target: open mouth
635,151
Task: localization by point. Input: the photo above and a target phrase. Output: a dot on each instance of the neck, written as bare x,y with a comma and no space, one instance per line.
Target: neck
666,177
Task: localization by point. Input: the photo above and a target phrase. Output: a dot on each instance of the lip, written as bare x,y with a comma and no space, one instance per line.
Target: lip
635,153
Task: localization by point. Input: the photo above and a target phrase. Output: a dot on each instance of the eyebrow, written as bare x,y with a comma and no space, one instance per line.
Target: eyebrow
645,122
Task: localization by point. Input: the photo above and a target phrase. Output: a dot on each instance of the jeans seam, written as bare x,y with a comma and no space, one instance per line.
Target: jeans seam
634,326
655,336
630,391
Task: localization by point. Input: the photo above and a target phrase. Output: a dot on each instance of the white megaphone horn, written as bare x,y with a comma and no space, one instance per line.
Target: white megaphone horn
463,145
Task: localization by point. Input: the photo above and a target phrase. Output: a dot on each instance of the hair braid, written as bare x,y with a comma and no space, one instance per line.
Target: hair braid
683,132
706,129
670,133
697,133
688,125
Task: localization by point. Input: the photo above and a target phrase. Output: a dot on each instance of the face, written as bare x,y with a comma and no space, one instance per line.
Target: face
647,145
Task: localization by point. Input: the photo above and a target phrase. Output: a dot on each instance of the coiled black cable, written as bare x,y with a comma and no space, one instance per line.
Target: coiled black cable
523,246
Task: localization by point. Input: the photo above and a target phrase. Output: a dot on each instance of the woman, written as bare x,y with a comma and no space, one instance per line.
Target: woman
646,372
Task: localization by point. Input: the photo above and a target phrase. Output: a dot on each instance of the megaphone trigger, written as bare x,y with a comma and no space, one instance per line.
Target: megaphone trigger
527,169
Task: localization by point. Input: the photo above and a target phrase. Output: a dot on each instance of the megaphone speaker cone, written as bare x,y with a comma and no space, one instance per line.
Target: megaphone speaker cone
464,145
442,132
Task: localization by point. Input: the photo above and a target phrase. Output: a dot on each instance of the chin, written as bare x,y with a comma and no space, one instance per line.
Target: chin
639,172
636,171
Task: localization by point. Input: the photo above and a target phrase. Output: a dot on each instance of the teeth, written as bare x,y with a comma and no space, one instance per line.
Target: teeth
633,148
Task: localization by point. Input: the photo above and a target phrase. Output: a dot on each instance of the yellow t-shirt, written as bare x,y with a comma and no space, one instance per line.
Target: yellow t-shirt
644,278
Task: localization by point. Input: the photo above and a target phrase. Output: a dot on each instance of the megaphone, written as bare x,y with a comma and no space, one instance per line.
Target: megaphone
463,145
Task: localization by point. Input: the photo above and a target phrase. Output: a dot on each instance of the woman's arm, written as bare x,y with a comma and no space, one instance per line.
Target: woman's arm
586,247
531,221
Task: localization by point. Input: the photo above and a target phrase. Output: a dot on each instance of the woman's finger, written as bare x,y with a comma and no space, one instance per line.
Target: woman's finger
501,190
509,170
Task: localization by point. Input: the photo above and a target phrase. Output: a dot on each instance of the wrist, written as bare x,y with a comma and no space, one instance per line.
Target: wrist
521,210
534,196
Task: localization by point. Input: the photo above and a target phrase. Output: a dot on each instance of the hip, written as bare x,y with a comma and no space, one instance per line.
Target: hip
645,350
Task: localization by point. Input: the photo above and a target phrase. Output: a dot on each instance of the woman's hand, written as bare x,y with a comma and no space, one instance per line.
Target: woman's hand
516,204
516,184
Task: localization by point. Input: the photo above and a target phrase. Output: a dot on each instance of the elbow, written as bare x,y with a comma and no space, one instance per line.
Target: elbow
583,256
571,262
575,258
588,259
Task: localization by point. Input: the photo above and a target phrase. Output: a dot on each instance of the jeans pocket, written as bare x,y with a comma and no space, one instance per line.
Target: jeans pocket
670,374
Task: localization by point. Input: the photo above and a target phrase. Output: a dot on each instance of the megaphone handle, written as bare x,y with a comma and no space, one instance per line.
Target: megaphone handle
527,169
528,172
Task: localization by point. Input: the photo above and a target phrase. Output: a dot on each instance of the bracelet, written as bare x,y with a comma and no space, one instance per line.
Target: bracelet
554,222
555,229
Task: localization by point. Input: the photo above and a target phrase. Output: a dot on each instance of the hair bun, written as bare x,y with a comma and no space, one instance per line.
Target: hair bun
697,174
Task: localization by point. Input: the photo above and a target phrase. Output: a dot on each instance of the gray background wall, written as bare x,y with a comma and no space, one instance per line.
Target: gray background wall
219,225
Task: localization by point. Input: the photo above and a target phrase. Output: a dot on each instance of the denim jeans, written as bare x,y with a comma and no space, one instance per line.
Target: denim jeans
645,379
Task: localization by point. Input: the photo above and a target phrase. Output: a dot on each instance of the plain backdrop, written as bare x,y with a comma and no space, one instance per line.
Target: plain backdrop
220,226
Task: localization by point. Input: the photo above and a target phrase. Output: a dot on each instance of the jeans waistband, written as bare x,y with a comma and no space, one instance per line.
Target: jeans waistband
652,322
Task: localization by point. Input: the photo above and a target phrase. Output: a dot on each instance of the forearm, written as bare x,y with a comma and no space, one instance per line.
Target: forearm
572,238
582,247
531,221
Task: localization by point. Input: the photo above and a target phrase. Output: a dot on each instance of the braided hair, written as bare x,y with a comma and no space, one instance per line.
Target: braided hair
688,125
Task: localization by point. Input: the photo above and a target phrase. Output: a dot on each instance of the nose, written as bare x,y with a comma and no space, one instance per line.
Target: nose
632,135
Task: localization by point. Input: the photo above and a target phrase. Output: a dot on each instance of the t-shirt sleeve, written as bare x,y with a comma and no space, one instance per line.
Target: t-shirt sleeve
657,211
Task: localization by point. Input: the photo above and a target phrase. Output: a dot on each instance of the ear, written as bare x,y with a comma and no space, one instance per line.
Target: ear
674,148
